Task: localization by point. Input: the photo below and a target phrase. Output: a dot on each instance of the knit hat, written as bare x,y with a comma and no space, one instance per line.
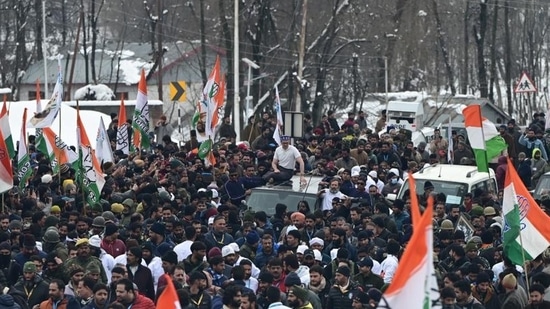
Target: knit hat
158,228
375,294
136,251
93,268
29,241
29,267
51,221
292,279
75,269
128,202
265,277
477,211
110,229
361,297
509,281
95,241
5,245
170,257
15,224
147,246
252,237
55,209
366,262
343,270
164,248
98,222
300,293
214,252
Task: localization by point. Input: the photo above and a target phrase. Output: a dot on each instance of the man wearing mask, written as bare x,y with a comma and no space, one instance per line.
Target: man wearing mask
393,184
531,142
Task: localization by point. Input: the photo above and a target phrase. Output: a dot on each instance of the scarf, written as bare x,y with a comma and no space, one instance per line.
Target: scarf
318,288
343,288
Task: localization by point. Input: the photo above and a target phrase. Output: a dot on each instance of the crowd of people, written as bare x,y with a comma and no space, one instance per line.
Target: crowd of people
164,211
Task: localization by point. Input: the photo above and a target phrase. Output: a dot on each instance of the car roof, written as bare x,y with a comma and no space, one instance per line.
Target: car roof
311,187
453,173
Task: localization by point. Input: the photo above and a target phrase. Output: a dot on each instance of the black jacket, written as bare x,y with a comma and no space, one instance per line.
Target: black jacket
338,300
37,294
144,281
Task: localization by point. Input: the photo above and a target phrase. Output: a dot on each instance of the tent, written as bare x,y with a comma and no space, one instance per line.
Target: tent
68,121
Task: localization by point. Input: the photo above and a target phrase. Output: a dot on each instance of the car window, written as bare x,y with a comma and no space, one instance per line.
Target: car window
543,187
265,200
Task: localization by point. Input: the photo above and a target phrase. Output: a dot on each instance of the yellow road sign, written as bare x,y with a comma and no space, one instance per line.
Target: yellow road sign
178,91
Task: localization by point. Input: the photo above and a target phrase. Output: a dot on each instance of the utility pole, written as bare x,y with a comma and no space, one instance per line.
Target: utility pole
236,102
355,88
160,49
301,54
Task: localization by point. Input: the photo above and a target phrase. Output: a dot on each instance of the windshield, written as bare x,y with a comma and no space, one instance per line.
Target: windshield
454,191
265,200
543,187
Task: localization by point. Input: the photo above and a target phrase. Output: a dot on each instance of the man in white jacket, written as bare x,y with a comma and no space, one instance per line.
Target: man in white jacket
107,260
154,263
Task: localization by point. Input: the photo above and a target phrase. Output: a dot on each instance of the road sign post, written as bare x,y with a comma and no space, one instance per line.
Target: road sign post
178,91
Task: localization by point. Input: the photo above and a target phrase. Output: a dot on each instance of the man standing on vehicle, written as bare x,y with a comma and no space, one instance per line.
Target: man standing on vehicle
284,163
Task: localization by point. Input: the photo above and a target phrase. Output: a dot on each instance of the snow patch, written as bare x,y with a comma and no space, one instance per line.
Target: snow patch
94,92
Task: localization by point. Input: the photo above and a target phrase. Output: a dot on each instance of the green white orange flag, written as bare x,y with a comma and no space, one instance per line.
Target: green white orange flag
89,168
168,299
6,172
484,138
140,121
414,284
526,232
55,149
45,118
212,98
6,130
24,170
122,136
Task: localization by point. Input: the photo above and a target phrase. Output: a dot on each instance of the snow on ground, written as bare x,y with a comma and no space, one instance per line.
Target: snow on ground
98,92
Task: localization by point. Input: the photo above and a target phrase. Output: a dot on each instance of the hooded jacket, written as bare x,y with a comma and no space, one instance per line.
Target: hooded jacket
7,302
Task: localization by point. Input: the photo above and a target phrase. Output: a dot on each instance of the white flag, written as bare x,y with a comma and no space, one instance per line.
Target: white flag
104,152
279,127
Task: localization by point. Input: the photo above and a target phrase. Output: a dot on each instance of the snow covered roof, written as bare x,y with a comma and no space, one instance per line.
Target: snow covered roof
68,118
180,63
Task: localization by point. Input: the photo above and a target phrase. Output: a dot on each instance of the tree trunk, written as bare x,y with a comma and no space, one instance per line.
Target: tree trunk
392,41
38,29
93,25
508,57
322,70
466,62
480,32
494,60
203,46
444,52
84,47
228,43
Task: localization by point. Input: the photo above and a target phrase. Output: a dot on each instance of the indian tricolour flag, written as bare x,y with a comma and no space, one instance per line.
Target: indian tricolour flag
140,122
122,136
57,151
6,130
484,138
24,169
6,173
89,169
414,284
526,232
212,98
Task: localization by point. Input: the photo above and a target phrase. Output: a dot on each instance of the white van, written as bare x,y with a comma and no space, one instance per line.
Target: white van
452,180
405,115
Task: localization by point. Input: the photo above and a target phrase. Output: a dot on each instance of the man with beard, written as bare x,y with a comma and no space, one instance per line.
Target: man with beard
273,296
129,296
249,281
329,194
183,249
157,236
117,274
28,249
217,237
57,300
154,263
110,243
100,297
177,236
195,262
198,297
232,297
359,153
139,274
318,284
292,265
82,227
536,297
339,240
266,252
85,291
217,270
346,161
76,274
34,288
275,267
248,300
366,277
106,259
263,141
84,259
298,298
339,295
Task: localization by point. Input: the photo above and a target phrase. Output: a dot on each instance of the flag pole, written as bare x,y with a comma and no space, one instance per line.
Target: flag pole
83,210
523,258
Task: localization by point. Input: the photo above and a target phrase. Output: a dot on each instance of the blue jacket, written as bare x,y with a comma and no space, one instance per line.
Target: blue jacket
530,145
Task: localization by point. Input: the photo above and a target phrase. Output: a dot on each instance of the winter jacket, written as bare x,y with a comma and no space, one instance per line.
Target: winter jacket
7,302
525,172
141,302
338,299
68,302
37,294
531,145
85,263
144,280
514,300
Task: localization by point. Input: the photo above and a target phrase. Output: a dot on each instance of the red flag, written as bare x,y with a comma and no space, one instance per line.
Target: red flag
168,299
